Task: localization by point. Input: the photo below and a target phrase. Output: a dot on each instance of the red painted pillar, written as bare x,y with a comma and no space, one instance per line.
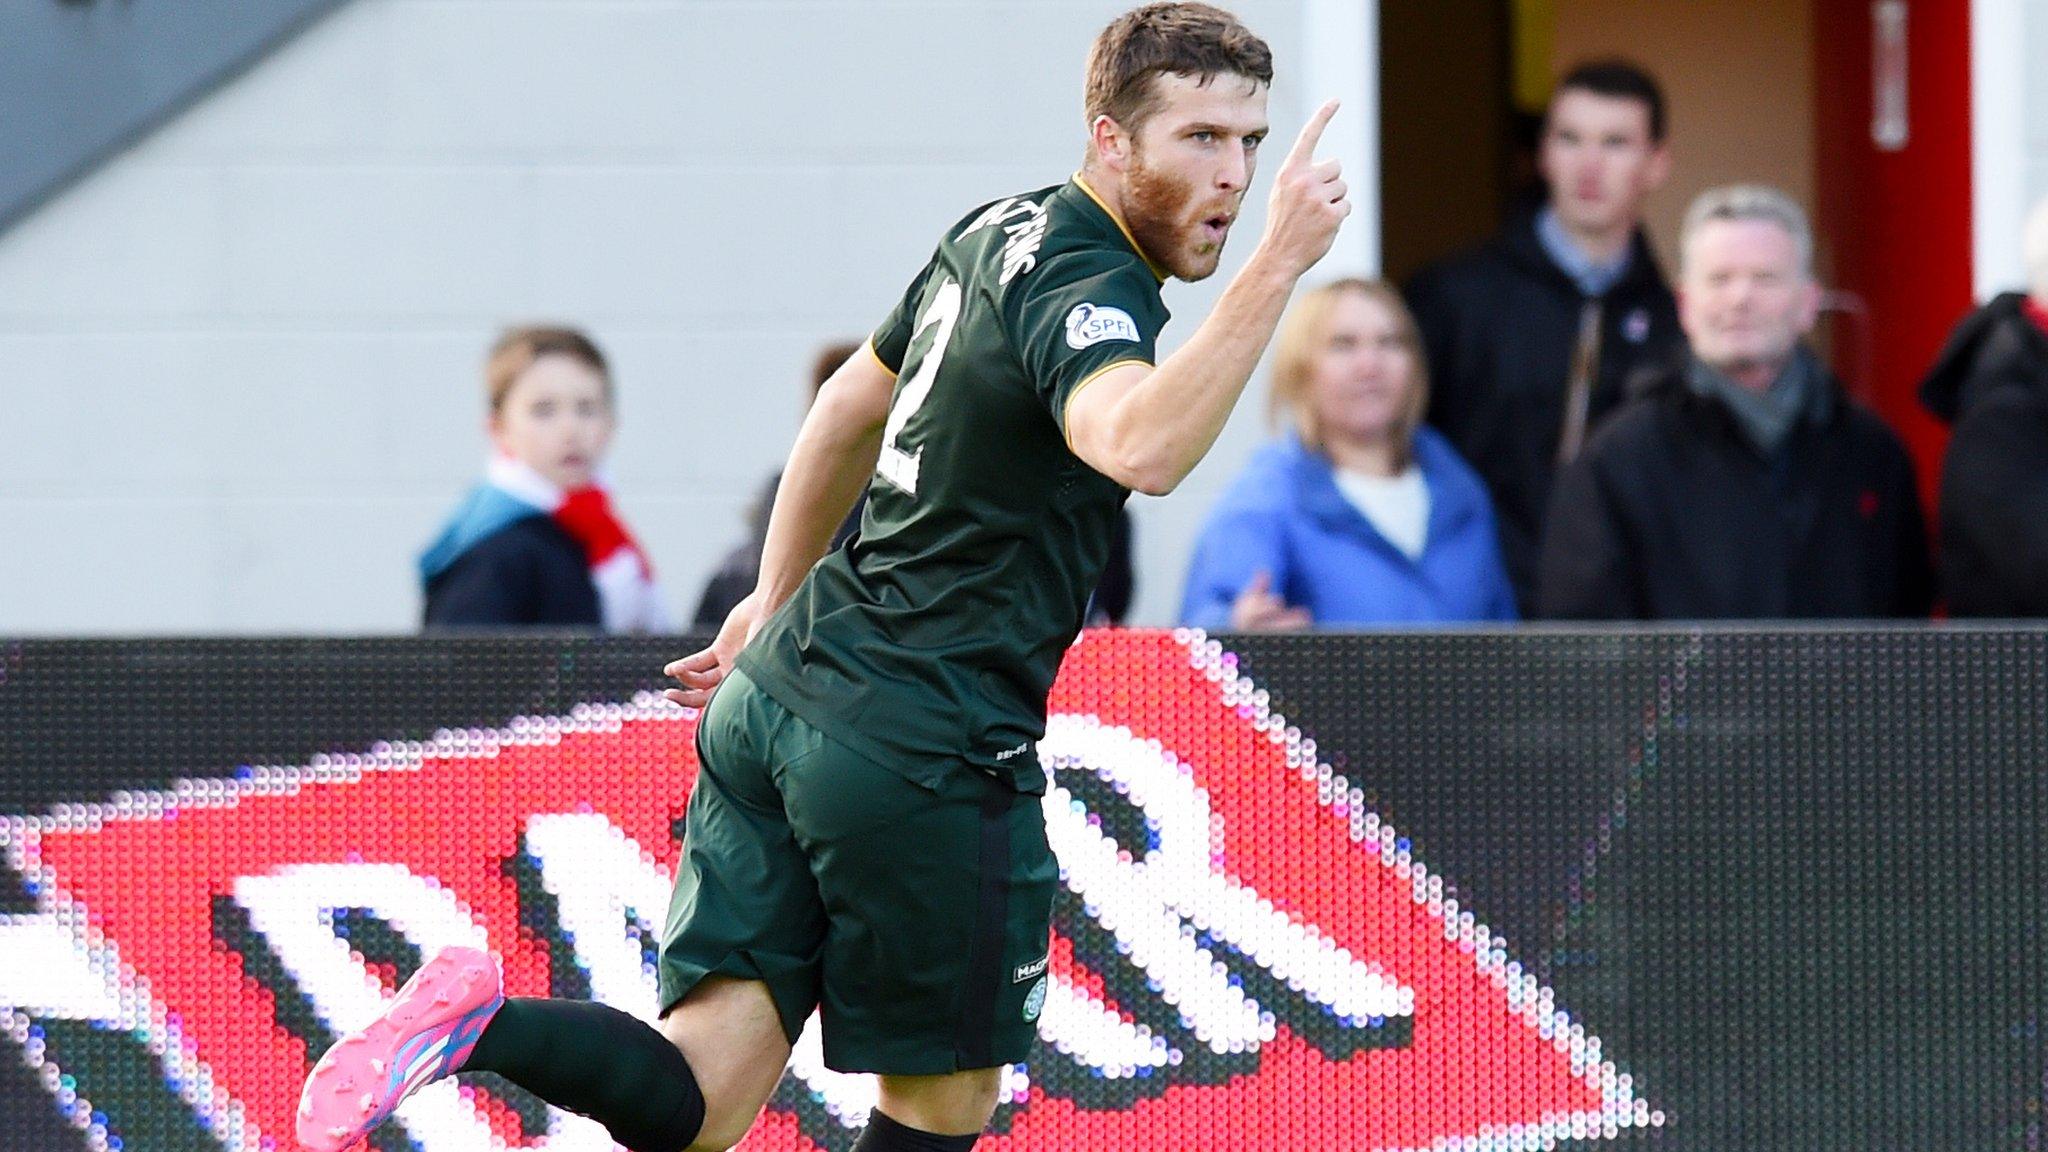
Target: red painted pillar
1896,222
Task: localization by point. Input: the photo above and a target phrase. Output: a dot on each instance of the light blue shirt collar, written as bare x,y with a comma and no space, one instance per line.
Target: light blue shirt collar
1593,279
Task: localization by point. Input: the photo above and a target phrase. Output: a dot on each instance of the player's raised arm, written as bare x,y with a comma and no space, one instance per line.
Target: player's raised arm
828,468
1147,427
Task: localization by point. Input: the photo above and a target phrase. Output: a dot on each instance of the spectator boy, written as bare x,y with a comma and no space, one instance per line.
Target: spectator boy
537,542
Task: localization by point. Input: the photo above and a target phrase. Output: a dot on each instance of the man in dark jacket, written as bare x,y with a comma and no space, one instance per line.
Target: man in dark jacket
1532,336
1991,383
1744,484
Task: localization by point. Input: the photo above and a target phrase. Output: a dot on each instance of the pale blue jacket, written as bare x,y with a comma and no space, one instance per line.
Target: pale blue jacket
1285,516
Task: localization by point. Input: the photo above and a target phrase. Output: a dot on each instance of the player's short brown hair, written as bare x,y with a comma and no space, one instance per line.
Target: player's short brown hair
1301,337
1197,40
517,349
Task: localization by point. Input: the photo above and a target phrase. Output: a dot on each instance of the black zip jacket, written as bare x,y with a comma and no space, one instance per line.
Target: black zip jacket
1672,514
1991,383
529,573
1499,325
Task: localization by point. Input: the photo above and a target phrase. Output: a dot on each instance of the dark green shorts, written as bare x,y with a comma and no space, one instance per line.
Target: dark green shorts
916,919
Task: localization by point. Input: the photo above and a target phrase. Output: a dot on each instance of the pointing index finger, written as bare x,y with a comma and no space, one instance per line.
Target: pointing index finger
1311,134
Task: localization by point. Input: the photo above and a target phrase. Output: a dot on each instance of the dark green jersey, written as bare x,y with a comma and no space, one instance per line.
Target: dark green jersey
933,637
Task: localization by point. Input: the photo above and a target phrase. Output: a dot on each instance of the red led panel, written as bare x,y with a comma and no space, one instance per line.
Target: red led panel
1249,959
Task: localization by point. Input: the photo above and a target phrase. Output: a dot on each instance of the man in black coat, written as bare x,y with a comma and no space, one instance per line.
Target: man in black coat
1991,383
1532,336
1745,483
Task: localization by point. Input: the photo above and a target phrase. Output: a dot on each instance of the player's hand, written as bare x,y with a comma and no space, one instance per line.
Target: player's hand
1259,609
700,673
1309,201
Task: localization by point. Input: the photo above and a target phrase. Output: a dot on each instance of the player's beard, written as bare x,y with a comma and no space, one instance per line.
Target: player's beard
1156,203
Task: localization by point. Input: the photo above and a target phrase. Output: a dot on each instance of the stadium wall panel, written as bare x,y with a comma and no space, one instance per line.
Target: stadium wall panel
260,330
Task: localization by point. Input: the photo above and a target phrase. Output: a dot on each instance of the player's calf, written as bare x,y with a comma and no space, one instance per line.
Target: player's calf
596,1061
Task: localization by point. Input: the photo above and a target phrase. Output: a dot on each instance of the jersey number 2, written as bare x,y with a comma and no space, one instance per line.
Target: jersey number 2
895,465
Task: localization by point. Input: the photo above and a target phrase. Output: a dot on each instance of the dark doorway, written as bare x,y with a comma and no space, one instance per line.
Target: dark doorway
1447,126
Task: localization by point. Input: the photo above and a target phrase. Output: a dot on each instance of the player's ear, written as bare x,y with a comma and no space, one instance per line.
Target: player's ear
1109,142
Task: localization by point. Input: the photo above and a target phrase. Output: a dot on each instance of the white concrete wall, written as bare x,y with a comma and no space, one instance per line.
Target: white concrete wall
241,381
2036,88
2009,114
2037,50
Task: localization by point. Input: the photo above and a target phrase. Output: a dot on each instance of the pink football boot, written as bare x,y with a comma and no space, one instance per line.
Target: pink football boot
425,1033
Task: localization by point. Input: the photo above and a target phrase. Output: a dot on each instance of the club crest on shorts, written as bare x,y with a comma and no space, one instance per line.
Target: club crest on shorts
1034,1000
1091,324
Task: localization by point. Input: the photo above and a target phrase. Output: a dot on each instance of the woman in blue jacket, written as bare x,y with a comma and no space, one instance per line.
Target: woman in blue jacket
1359,514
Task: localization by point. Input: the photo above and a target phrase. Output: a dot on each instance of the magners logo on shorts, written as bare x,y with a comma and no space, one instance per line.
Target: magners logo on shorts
1245,957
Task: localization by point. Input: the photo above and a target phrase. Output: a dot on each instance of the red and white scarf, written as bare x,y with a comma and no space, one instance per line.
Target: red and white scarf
628,596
